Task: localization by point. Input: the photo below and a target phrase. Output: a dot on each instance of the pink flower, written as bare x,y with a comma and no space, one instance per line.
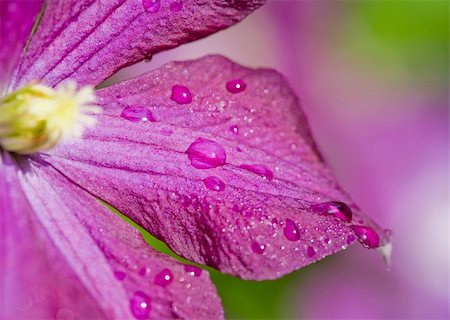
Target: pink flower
212,158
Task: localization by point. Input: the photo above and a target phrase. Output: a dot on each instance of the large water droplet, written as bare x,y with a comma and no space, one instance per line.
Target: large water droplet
206,154
140,305
151,6
214,183
176,6
335,208
137,114
258,247
164,278
193,270
291,231
259,169
236,86
367,236
181,94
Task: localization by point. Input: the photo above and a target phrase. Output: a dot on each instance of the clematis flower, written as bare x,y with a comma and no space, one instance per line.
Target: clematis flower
212,158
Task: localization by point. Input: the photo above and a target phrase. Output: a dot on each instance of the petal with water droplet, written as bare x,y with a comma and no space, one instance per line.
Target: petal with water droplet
94,39
63,252
151,178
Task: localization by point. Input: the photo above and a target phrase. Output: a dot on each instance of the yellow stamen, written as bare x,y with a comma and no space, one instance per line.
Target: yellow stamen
36,117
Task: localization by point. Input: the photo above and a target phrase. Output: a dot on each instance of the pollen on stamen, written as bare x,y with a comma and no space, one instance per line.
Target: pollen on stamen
36,117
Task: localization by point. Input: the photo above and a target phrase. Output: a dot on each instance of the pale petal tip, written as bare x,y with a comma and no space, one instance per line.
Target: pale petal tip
386,253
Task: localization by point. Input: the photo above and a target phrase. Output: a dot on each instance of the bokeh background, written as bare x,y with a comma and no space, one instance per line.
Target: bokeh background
373,78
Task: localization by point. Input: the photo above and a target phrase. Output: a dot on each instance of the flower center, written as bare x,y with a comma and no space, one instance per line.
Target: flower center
36,117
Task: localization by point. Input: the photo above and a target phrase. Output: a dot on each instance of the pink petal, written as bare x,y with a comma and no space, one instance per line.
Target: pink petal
16,22
65,255
89,40
272,176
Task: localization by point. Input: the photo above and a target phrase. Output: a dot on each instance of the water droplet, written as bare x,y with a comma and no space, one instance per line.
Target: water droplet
310,252
291,231
335,208
206,154
148,58
143,271
176,6
350,239
12,7
92,66
119,275
258,247
140,305
166,132
193,270
151,6
234,129
181,94
164,278
214,183
367,236
64,314
259,169
236,86
137,114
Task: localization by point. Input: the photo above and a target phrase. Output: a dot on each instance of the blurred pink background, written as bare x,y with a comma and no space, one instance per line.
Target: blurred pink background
373,79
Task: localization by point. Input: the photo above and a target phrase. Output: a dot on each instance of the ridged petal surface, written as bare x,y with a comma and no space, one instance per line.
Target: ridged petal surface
65,255
89,40
229,179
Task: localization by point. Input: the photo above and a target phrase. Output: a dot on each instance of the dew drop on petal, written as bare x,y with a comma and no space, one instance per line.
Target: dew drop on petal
236,86
367,236
143,271
140,305
234,129
193,270
64,314
258,247
137,114
335,208
119,275
176,6
310,252
214,183
350,239
206,154
166,132
260,169
151,6
164,278
291,231
181,94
